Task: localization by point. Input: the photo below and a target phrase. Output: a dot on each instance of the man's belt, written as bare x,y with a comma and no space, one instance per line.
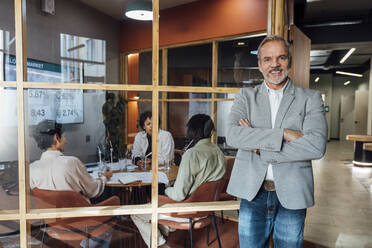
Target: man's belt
269,185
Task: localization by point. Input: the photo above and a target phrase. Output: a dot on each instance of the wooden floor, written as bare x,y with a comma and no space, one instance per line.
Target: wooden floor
341,217
228,234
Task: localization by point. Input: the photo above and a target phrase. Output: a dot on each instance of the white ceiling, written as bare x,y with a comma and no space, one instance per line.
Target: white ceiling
115,8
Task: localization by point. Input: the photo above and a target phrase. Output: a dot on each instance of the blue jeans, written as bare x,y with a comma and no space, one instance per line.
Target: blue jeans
257,218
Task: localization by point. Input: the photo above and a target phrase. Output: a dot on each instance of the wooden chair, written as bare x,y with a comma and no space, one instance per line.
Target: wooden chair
73,229
224,196
206,192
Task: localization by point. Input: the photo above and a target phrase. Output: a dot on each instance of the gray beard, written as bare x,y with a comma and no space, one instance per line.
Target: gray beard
285,75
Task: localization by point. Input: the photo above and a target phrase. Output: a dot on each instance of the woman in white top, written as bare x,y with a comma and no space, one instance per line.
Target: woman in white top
142,142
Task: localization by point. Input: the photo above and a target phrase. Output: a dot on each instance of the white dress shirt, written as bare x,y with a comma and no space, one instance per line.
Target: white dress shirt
165,148
275,97
54,171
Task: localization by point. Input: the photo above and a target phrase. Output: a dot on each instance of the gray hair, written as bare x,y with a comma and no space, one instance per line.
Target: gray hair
271,38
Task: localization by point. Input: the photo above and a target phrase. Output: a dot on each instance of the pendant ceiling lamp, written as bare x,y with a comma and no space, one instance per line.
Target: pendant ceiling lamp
139,10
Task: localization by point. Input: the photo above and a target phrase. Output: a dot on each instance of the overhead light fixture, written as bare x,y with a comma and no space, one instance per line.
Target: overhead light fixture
240,43
316,79
347,82
139,10
347,55
75,47
333,23
254,52
349,74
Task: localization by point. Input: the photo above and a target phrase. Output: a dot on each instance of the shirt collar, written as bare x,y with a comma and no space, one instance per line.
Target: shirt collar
203,141
280,91
50,153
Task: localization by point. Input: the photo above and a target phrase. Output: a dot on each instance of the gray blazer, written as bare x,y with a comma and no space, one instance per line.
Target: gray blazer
300,109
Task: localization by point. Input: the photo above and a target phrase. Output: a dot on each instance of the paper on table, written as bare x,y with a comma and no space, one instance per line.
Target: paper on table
128,179
145,177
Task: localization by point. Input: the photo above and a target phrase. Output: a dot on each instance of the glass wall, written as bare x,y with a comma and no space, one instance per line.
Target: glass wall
237,63
88,124
9,233
190,66
7,41
70,46
9,149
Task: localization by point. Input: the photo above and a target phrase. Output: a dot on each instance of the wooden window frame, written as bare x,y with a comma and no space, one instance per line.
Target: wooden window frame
24,213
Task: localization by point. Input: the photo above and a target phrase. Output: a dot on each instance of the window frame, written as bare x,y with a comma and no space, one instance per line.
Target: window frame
24,214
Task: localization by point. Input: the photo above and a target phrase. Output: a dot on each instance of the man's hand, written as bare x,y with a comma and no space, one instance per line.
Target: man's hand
108,174
292,135
246,123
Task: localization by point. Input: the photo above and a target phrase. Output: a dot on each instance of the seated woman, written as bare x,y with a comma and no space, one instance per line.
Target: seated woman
54,171
203,162
143,140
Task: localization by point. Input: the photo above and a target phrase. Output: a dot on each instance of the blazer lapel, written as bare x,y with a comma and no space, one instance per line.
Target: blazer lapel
263,105
288,97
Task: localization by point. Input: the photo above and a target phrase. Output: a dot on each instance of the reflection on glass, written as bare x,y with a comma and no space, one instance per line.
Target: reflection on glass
7,38
190,66
64,106
202,166
199,107
81,116
9,234
8,149
104,232
180,112
142,64
7,61
37,71
237,63
223,110
75,137
82,59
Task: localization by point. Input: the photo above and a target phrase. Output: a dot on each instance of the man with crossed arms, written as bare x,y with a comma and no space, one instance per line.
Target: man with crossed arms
278,128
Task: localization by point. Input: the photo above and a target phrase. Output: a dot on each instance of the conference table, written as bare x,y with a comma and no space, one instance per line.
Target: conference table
138,192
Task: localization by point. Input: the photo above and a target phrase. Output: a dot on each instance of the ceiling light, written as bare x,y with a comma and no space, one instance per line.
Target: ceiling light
75,47
349,74
347,55
347,82
139,10
333,23
316,79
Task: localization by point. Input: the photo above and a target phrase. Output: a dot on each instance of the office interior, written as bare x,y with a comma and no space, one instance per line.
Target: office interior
62,61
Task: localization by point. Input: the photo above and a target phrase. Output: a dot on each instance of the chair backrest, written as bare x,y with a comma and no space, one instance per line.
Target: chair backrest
58,199
226,178
61,227
206,192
